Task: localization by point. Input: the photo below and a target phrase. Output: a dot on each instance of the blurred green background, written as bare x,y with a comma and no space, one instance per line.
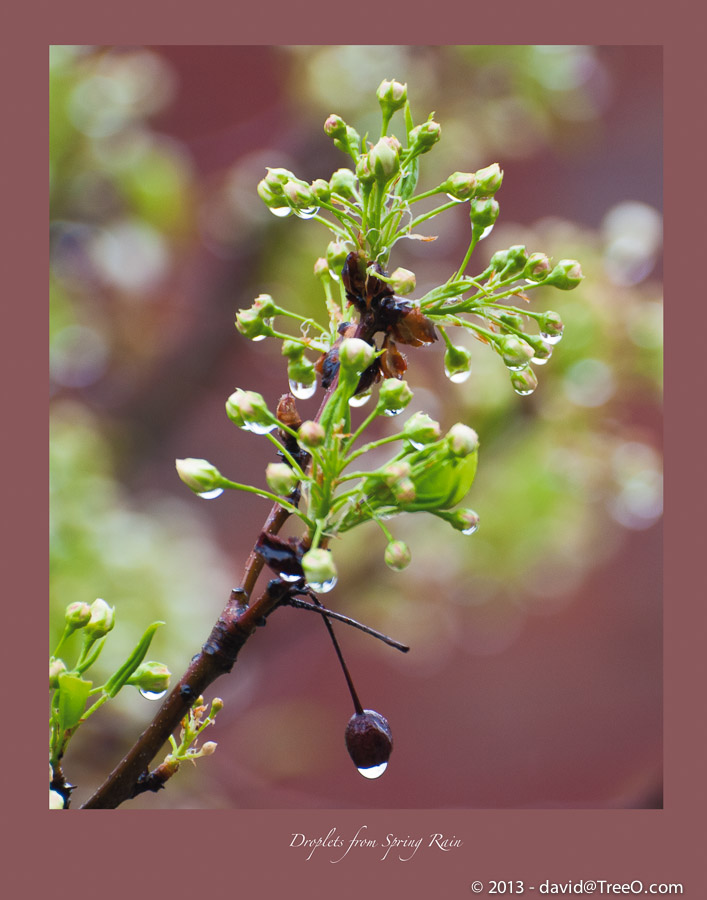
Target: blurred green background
534,678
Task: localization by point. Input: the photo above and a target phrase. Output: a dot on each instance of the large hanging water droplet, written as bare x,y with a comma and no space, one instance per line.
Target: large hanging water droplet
551,338
374,771
457,377
522,365
307,213
211,495
152,695
323,587
301,390
486,232
360,399
471,528
258,428
456,200
280,211
524,390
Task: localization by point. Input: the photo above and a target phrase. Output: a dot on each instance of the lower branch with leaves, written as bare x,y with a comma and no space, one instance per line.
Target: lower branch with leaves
323,475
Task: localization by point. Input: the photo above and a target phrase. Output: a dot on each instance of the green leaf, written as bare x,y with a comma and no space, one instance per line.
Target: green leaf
119,678
73,693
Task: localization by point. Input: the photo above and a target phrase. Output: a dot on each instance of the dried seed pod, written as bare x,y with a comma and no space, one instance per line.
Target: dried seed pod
369,742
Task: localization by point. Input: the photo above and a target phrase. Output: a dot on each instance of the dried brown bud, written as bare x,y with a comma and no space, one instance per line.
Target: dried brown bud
369,742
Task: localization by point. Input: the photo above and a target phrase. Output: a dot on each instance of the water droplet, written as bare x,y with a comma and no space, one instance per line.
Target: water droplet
456,199
418,445
307,213
517,368
486,232
152,695
360,399
280,211
257,428
323,587
301,390
260,337
525,390
393,412
551,338
289,577
472,528
374,771
457,377
210,495
536,360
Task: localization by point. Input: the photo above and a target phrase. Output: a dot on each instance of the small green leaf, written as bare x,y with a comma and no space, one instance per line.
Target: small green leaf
120,677
73,693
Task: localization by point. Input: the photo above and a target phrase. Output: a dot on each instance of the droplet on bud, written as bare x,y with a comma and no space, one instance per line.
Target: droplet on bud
307,213
369,742
360,399
302,391
280,211
152,695
210,495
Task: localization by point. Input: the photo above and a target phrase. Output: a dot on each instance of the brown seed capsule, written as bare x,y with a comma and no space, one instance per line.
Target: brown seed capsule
369,742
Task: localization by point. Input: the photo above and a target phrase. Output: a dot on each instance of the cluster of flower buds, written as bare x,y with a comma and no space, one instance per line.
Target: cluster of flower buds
283,192
255,322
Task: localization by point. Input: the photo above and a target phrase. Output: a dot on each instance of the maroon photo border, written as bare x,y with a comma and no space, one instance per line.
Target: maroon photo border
247,853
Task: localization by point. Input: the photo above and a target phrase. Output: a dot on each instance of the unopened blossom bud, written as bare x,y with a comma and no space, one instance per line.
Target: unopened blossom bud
397,555
424,137
247,409
515,351
421,429
355,356
457,363
252,325
460,185
402,281
392,95
335,126
310,435
483,212
102,619
566,275
488,180
277,178
343,182
537,268
56,667
336,253
77,615
301,371
264,305
516,259
319,569
198,474
321,190
267,195
299,196
281,479
151,676
216,705
393,396
321,269
395,471
384,159
464,520
364,171
208,748
551,326
462,440
369,742
292,349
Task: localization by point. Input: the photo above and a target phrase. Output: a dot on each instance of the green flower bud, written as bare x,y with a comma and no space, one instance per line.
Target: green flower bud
299,196
248,410
384,159
423,138
402,281
462,440
516,259
321,190
464,520
512,320
488,180
335,127
551,326
265,306
566,275
301,371
483,212
397,555
319,569
199,475
266,194
216,706
152,677
460,185
292,349
352,143
310,435
336,253
355,356
537,268
277,178
56,667
102,619
420,429
77,615
281,479
457,364
252,325
515,352
392,95
208,748
364,172
395,471
321,269
524,381
393,396
343,182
